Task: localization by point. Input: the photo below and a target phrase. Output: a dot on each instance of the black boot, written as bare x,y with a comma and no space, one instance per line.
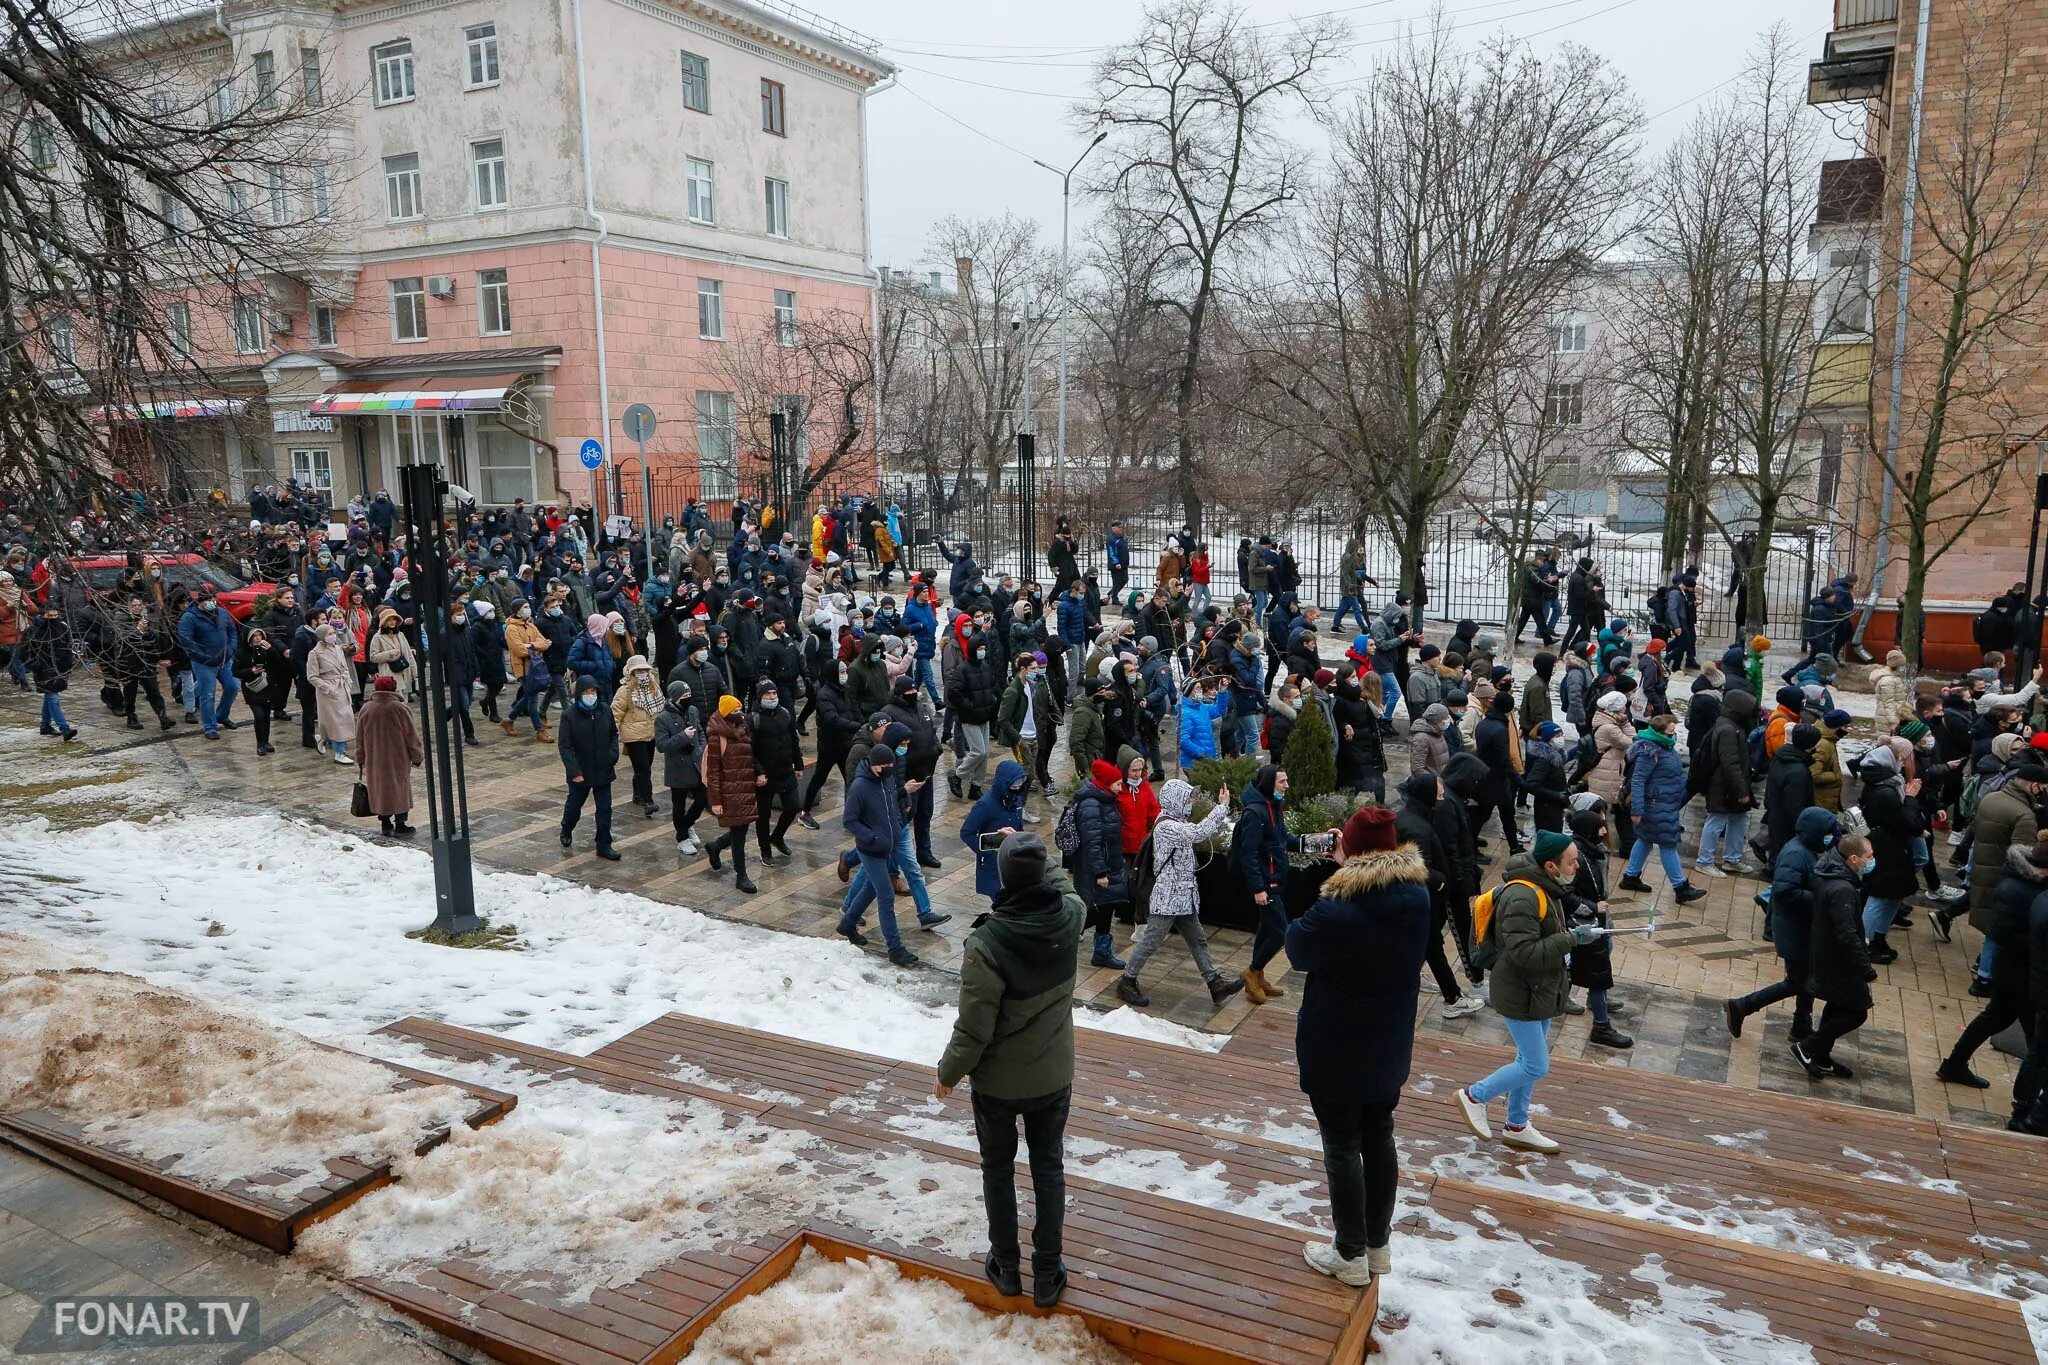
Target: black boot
1882,952
1003,1277
1607,1035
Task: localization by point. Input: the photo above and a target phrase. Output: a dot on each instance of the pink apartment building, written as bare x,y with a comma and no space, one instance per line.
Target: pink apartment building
541,211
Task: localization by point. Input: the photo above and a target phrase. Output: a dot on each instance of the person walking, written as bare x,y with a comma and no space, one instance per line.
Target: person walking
779,759
2025,880
1791,923
1176,899
973,694
2005,820
1891,877
679,739
838,724
1531,982
1725,782
589,747
1789,789
1014,1043
1360,946
51,654
1656,796
1437,829
874,817
730,783
264,668
1592,965
1100,870
1840,961
388,748
997,815
208,635
1258,855
635,707
390,653
134,654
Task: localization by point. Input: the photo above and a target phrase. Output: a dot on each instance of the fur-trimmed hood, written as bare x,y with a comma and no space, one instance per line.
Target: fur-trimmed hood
1364,872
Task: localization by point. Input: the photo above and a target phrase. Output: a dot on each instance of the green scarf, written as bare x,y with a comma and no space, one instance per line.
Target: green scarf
1656,736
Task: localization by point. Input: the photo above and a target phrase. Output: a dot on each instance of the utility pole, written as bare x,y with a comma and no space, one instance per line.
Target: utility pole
1066,302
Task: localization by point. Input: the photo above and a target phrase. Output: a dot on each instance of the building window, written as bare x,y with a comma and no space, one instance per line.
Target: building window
238,202
488,160
771,107
698,174
264,67
409,309
718,473
63,341
323,199
778,207
226,101
795,410
1568,335
483,55
711,310
392,67
248,326
504,464
178,327
1564,405
313,469
696,83
309,75
785,317
402,198
42,146
323,325
493,303
280,210
170,211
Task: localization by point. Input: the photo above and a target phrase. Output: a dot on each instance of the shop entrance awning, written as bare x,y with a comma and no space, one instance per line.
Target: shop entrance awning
453,393
162,408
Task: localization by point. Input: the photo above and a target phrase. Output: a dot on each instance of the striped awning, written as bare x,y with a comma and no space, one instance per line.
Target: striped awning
458,393
168,408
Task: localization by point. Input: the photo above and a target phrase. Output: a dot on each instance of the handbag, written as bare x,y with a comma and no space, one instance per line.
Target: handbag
359,801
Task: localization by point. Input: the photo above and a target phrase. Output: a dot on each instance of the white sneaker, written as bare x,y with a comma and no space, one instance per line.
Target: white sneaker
1463,1005
344,759
1323,1256
1529,1140
1380,1259
1707,870
1031,819
321,744
1475,1115
1955,838
1949,894
687,847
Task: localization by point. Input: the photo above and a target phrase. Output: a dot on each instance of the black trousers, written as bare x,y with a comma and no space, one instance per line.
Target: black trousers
766,799
1793,988
572,809
1502,805
1578,630
1439,964
1363,1171
148,686
641,754
995,1132
309,707
260,714
830,756
2029,1096
685,804
2002,1011
1836,1023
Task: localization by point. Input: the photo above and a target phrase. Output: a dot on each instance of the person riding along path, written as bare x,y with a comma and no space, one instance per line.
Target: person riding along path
1176,900
1531,982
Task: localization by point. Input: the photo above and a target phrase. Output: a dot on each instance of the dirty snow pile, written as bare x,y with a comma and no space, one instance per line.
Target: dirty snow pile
163,1075
587,1189
827,1312
310,934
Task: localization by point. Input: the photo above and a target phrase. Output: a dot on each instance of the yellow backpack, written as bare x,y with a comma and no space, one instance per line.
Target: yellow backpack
1484,951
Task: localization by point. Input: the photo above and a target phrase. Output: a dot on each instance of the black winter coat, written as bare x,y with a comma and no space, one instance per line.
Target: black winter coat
1838,966
707,684
1592,964
974,689
1792,887
1726,753
488,638
1490,744
836,721
2019,968
588,742
51,652
265,674
460,658
1891,825
923,758
781,662
1101,853
1362,945
1363,756
1788,790
777,756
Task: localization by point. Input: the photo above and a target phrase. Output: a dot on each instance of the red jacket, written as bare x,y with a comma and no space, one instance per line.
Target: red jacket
1139,809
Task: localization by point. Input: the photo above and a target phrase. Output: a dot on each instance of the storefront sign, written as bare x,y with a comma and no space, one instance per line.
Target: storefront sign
300,421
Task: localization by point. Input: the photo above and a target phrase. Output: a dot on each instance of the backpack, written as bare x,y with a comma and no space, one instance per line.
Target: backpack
1586,757
1972,794
1656,603
1143,877
1066,833
1485,952
1759,756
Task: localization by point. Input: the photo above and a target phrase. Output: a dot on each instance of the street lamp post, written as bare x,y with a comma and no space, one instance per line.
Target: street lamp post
1066,206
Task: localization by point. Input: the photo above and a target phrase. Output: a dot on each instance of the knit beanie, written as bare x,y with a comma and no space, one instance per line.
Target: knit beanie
1021,860
1369,830
1759,644
1654,647
1836,720
1915,730
1550,845
728,704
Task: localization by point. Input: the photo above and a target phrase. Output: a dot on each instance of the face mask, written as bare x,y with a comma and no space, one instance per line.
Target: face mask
1134,782
554,611
156,573
458,620
981,654
618,629
1279,798
1866,867
902,751
207,606
697,656
588,701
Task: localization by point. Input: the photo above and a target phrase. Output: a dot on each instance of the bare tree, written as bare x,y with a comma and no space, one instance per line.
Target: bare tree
159,207
1470,193
924,413
1977,277
1125,368
819,375
1196,108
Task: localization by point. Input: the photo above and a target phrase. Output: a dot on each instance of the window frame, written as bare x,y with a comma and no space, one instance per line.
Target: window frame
396,55
501,288
320,191
278,186
712,293
721,420
1564,403
263,71
413,301
697,78
42,144
776,206
224,100
1568,327
318,475
64,352
178,326
170,212
328,335
707,198
310,78
774,107
785,326
248,306
477,168
481,40
394,180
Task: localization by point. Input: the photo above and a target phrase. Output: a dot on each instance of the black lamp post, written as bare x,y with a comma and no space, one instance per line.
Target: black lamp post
428,532
1027,481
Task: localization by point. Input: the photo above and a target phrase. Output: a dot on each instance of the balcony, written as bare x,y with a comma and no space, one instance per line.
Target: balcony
1856,63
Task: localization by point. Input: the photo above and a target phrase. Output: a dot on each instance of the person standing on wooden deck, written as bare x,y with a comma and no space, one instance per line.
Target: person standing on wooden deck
1361,944
1014,1040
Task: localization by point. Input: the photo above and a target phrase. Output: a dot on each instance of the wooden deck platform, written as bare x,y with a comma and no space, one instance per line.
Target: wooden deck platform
250,1207
1163,1280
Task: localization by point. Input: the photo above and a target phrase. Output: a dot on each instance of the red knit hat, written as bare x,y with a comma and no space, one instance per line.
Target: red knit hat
1654,647
385,683
1369,830
1105,773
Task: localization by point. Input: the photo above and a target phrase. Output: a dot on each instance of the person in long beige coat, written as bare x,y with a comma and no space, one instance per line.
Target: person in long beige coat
391,653
388,748
634,706
331,673
1611,740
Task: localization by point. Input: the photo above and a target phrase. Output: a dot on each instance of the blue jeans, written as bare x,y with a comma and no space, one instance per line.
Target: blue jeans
1348,603
923,674
1248,733
1547,619
1198,597
53,712
1984,958
1917,846
1878,914
860,891
1725,832
1674,868
873,885
206,678
1517,1080
1391,686
1259,599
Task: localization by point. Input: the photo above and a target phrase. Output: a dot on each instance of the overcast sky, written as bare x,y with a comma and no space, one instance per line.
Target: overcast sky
926,164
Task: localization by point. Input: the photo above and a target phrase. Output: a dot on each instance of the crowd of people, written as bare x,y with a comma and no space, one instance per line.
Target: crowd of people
761,661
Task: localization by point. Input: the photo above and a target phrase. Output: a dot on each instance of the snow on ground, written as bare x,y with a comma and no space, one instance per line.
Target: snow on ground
310,924
168,1076
827,1312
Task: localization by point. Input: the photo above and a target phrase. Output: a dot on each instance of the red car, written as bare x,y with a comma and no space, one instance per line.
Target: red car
99,573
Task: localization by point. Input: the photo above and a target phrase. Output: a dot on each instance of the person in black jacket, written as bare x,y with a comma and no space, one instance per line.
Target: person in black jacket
919,763
2025,880
780,660
1791,923
1788,788
487,637
1419,822
1545,776
1592,964
589,745
1893,822
779,761
837,725
1100,874
265,669
974,688
1839,967
1721,773
1361,751
1491,743
460,663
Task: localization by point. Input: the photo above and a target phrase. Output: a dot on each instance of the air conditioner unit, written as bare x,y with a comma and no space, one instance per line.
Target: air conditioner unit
441,286
280,322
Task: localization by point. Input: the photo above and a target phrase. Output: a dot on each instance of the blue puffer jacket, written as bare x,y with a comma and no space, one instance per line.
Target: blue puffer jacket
1101,824
1073,620
872,816
923,624
207,637
593,659
1001,806
1198,727
1656,790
